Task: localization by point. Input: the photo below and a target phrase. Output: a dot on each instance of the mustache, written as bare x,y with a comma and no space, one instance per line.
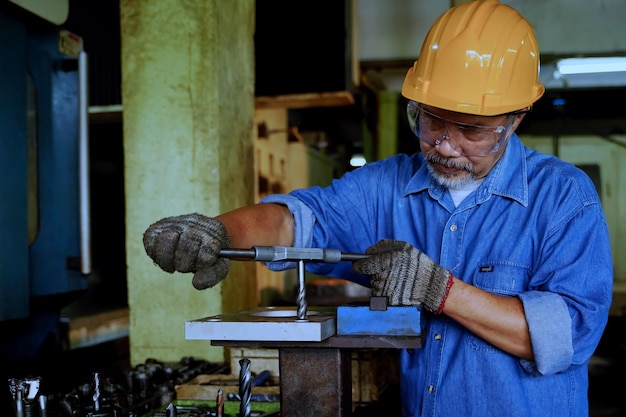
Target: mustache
435,158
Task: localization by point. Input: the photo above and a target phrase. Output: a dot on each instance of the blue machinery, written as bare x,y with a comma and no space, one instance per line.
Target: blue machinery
44,244
314,345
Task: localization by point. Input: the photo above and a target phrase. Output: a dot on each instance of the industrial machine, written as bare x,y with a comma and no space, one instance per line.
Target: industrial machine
44,244
314,344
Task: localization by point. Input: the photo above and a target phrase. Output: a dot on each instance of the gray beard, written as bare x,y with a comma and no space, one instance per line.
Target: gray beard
444,180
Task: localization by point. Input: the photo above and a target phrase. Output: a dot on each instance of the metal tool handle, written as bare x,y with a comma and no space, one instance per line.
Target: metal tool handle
287,253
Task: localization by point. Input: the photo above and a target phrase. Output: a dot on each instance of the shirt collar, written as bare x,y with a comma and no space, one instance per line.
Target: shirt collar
508,178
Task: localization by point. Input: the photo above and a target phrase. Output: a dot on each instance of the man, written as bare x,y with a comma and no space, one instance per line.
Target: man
506,249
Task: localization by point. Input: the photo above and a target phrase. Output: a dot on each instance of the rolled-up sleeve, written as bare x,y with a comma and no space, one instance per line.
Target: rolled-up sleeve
304,220
550,327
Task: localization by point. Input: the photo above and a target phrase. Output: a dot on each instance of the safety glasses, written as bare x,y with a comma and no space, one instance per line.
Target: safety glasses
465,139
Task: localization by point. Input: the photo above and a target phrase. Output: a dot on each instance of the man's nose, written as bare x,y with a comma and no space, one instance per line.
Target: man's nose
447,146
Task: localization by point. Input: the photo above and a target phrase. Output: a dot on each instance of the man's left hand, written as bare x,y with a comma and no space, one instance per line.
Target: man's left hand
406,275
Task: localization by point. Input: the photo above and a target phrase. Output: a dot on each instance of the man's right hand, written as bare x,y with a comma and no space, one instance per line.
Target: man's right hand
189,243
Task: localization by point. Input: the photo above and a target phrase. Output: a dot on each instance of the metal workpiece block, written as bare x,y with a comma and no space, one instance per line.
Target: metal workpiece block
394,321
265,324
379,303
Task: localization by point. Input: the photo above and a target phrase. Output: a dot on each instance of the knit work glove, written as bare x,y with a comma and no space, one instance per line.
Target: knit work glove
405,275
189,243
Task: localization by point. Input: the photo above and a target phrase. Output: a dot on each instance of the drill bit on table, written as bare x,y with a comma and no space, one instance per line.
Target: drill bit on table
245,387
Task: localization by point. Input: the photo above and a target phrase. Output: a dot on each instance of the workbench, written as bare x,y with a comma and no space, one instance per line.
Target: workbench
315,377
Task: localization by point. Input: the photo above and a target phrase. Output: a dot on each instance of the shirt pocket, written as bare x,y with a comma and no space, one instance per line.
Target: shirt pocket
499,277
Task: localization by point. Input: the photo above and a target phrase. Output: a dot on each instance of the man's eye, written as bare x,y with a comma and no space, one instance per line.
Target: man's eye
473,133
469,130
434,124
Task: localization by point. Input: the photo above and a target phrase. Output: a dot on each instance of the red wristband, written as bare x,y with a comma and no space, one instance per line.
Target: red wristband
445,295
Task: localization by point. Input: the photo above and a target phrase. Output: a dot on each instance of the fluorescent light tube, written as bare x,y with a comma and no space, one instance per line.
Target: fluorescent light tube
357,160
591,65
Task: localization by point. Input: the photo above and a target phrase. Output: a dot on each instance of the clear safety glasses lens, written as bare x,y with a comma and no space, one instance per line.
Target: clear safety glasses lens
466,139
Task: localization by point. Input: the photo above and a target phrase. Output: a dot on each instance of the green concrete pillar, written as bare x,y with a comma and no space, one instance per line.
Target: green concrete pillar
387,124
188,99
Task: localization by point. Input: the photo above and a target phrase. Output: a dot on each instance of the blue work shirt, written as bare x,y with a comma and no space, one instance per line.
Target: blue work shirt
534,229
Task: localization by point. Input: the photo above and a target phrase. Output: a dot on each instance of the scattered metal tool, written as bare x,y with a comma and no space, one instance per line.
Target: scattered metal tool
27,399
219,403
96,391
261,378
171,410
15,388
291,254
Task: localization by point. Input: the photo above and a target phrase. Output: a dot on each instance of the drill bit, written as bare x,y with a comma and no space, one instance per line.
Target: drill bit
245,387
301,297
96,391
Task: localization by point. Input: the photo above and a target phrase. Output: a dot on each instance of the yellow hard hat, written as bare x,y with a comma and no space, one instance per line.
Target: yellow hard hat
480,57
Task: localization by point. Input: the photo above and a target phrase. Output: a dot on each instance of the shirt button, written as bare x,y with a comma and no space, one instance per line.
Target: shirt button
431,389
453,228
437,336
